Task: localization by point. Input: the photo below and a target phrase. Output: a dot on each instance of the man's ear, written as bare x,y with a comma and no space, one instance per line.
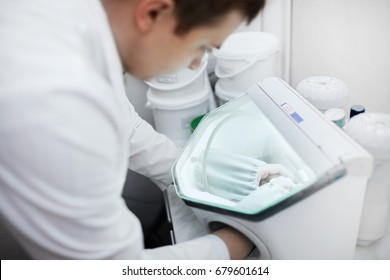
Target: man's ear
147,13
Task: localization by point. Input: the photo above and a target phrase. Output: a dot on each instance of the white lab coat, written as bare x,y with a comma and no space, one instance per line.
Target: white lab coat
68,135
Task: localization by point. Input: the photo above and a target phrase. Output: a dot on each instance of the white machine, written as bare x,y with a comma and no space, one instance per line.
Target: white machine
310,211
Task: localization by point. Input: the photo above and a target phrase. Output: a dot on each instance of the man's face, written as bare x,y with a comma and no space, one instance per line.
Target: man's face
162,51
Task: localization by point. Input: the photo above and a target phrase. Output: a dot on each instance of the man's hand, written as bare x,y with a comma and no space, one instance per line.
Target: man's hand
239,245
268,172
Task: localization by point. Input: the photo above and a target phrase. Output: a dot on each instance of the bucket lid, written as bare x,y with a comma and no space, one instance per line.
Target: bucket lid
324,92
178,79
246,45
335,114
372,131
177,100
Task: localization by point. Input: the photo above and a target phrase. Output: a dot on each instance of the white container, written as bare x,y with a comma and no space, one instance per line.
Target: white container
245,58
223,96
372,131
324,92
178,98
136,93
336,115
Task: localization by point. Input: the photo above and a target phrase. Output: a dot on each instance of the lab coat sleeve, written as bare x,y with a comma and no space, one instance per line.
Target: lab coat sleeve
205,247
150,153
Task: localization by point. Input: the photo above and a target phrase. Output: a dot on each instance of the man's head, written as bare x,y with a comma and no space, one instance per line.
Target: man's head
192,13
155,37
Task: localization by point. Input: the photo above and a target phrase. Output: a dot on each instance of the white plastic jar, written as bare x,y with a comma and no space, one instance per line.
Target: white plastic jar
372,131
176,99
324,92
243,59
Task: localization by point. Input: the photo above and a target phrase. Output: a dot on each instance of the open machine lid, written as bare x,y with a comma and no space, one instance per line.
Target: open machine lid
225,164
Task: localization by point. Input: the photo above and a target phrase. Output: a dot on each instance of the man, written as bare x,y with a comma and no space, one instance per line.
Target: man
68,133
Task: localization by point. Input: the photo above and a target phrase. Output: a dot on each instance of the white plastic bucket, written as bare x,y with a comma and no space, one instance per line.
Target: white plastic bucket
245,58
136,93
177,99
222,95
173,118
185,81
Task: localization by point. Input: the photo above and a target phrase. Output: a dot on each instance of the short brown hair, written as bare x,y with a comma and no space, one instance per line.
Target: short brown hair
195,13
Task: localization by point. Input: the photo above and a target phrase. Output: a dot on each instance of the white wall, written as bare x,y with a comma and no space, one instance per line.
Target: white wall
347,39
